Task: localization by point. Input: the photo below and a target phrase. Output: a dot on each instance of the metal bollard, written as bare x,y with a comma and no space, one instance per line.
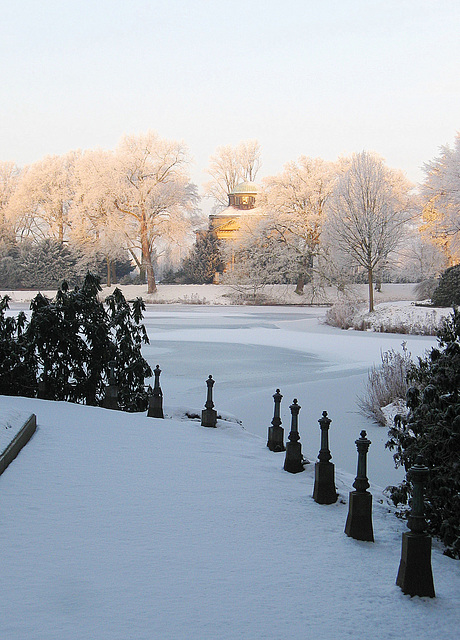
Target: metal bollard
294,460
359,520
324,491
209,414
415,576
156,397
276,432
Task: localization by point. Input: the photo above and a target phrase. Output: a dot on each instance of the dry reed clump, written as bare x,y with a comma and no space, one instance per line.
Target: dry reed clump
386,383
342,314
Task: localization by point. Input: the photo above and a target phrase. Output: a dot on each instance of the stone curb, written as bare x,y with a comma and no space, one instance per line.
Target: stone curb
19,441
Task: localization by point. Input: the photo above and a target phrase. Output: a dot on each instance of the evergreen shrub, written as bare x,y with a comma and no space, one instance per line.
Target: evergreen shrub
18,364
447,293
203,261
64,352
432,430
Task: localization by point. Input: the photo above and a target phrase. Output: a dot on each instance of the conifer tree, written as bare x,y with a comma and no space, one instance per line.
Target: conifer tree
433,431
204,260
17,362
73,338
128,334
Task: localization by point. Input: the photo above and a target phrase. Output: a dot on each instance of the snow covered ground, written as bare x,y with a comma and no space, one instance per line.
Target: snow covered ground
221,294
11,422
118,526
252,351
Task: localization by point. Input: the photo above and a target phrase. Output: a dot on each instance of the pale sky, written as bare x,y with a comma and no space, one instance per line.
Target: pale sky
313,77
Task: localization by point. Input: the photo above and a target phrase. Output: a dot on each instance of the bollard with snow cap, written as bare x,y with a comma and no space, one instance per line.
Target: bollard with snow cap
209,414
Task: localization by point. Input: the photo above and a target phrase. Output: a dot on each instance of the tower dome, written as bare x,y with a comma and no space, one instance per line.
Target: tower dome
245,187
243,196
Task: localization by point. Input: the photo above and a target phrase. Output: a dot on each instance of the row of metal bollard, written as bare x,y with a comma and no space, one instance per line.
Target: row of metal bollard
415,575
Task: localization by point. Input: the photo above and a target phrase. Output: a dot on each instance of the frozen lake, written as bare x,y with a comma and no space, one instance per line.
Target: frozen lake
251,351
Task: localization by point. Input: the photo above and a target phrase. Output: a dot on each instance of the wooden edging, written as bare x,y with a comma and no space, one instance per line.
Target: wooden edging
19,441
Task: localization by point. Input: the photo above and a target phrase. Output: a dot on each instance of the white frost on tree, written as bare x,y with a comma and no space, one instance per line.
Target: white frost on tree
367,213
230,166
39,207
294,201
152,193
441,194
9,179
96,225
256,257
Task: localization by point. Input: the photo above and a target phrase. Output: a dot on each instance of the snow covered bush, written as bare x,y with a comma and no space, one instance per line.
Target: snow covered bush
342,314
432,429
386,384
387,317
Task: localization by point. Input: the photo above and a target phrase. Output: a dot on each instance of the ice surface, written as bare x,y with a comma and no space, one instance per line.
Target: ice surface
252,351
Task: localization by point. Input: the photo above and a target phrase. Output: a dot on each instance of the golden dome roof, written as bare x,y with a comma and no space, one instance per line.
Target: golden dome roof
245,187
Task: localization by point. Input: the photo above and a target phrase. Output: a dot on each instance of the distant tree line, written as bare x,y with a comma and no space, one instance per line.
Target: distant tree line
354,220
104,205
46,263
338,221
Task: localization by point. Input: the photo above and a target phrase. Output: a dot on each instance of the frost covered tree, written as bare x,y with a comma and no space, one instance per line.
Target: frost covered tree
417,260
40,204
441,194
294,200
9,178
152,193
229,166
367,213
97,227
258,256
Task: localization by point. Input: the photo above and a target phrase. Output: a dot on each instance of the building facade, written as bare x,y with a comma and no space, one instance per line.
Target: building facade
226,223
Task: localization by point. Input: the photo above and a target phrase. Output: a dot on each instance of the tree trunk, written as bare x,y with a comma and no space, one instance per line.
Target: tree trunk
300,285
147,259
61,225
109,272
114,272
371,290
151,284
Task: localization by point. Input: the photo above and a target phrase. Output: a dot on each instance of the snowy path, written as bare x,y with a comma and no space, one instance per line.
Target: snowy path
119,527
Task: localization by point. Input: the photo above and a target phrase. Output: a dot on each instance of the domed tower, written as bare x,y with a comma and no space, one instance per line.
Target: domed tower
226,224
243,196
